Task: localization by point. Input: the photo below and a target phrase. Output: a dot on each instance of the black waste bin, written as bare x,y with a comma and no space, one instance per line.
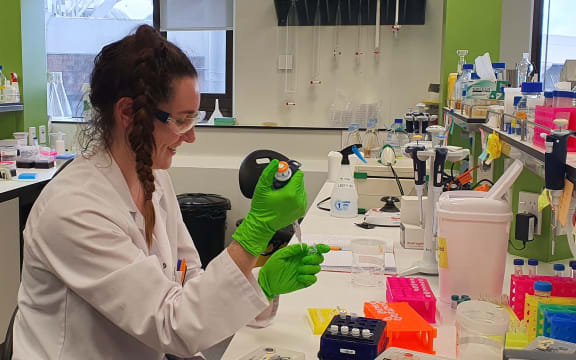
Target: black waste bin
205,218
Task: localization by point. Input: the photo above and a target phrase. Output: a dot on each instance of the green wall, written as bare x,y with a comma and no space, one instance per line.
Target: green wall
473,25
24,52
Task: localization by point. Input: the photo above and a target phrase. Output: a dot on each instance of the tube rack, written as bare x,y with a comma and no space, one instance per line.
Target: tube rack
416,292
521,285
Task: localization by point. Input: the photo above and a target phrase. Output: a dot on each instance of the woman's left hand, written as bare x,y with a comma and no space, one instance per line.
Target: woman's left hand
290,269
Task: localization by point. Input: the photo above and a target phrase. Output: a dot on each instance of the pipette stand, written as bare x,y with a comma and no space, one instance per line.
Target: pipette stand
428,265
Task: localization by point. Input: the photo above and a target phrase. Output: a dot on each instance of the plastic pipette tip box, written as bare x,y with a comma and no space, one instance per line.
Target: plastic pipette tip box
405,328
531,309
347,346
414,291
520,285
542,327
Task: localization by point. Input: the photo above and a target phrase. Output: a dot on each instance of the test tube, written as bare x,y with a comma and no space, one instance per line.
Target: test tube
532,267
542,288
559,270
573,269
518,266
454,301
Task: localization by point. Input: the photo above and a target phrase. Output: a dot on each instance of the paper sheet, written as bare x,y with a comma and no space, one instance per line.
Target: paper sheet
343,242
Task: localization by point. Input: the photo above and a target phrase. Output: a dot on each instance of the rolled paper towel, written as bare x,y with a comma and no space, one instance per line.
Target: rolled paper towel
334,160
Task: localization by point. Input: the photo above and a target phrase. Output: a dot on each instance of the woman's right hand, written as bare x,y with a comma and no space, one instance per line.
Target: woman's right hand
271,210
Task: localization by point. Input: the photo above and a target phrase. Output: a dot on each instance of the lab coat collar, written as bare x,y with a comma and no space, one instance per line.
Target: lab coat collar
106,164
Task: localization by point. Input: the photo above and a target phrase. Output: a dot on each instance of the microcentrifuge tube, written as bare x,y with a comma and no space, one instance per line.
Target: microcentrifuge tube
355,332
344,330
366,333
333,329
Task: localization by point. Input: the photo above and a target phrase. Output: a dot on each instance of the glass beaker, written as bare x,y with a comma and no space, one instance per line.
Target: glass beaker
368,262
58,104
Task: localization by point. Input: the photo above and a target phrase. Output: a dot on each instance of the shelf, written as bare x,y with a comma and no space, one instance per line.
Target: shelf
533,150
11,107
467,123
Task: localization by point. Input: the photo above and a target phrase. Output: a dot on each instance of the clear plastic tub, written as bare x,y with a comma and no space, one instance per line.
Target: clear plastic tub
22,138
368,262
8,153
563,99
481,330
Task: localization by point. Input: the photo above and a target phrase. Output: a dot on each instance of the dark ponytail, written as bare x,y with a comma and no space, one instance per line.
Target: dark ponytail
142,67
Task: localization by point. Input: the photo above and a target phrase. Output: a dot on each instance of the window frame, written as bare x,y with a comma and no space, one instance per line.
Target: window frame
208,100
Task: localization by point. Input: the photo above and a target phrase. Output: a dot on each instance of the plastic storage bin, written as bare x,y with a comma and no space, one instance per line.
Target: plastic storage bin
481,330
205,219
469,223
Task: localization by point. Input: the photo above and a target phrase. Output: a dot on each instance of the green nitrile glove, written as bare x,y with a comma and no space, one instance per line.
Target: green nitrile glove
271,210
290,269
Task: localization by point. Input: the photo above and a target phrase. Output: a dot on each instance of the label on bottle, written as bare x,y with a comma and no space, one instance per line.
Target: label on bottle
345,186
342,205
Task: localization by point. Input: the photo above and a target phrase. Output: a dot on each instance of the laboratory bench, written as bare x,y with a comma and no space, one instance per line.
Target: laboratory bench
290,329
16,200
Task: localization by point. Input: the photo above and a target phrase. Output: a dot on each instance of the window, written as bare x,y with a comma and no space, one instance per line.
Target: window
555,39
76,30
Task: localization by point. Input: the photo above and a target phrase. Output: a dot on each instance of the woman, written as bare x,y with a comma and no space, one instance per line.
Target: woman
105,244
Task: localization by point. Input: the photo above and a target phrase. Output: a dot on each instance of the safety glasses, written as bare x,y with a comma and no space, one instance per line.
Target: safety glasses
179,125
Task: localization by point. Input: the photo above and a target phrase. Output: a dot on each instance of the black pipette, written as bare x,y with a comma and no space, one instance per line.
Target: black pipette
555,168
419,173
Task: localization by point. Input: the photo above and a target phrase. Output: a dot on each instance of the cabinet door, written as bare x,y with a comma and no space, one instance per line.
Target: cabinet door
9,260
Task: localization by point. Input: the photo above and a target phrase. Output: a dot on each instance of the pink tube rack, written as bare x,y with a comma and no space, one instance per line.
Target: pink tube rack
520,285
416,292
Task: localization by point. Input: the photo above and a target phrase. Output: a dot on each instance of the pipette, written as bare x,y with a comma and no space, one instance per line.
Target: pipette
555,168
285,171
419,173
439,161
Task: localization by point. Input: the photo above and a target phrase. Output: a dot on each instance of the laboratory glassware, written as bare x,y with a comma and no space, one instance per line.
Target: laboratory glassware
58,104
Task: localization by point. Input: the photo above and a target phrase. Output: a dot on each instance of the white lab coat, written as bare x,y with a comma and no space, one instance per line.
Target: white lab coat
91,289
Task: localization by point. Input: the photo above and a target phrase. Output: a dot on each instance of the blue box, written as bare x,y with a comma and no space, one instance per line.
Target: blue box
338,346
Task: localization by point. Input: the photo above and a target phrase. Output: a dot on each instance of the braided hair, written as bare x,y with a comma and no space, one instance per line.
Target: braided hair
143,67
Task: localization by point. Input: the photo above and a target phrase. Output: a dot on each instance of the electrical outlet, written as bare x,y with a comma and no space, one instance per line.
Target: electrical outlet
484,172
528,202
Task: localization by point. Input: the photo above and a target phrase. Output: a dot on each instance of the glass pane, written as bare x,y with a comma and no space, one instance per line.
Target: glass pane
76,30
558,39
207,51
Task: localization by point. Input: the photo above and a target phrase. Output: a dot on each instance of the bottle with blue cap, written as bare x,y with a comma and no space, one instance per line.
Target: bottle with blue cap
499,70
532,267
518,266
542,288
531,96
559,270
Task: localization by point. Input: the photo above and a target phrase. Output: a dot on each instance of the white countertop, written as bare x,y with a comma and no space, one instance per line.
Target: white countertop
290,329
43,175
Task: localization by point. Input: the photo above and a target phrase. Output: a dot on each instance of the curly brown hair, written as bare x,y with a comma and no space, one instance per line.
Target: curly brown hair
143,67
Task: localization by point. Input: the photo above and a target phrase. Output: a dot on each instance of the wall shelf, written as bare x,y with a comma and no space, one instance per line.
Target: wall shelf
533,150
11,107
462,120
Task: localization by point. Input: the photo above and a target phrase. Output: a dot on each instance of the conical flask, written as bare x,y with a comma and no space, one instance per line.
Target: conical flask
58,104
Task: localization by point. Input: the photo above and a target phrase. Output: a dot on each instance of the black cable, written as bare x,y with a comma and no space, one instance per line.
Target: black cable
322,202
397,180
514,247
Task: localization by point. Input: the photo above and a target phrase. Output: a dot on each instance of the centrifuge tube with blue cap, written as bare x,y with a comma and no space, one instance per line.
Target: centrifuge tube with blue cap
518,267
532,267
559,270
